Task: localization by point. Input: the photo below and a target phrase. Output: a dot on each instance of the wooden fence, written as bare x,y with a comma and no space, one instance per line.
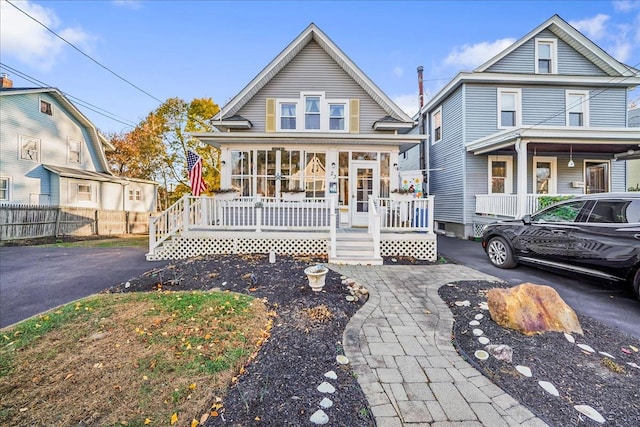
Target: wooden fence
32,221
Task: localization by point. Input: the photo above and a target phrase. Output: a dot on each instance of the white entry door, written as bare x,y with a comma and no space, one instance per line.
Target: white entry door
365,183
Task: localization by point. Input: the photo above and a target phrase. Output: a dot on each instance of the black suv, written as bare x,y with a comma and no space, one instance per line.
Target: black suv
597,235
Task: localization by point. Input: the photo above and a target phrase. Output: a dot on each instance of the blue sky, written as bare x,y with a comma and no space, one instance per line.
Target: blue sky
212,49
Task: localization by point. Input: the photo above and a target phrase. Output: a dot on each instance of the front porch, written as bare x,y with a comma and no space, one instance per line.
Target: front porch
207,225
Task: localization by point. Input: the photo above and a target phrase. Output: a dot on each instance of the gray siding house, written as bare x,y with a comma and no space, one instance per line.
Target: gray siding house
546,116
51,154
311,120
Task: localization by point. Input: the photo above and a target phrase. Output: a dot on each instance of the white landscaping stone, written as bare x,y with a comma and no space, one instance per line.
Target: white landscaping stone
319,417
549,388
570,338
481,354
484,306
590,412
350,298
484,340
325,387
604,353
524,371
479,316
474,323
342,360
586,348
465,303
477,332
326,403
633,365
331,375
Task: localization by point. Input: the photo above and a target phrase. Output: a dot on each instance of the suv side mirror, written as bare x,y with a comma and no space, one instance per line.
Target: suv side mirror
526,219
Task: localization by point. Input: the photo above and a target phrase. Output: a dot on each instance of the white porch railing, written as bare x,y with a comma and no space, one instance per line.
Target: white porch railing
507,205
374,227
405,215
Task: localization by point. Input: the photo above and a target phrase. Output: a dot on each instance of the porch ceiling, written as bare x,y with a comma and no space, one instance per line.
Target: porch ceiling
559,139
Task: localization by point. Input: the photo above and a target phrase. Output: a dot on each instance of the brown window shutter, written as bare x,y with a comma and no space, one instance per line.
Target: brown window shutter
354,116
270,123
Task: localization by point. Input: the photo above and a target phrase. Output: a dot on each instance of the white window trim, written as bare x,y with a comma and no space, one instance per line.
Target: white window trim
40,101
554,53
324,113
22,139
70,142
433,125
508,181
553,181
518,93
585,106
9,188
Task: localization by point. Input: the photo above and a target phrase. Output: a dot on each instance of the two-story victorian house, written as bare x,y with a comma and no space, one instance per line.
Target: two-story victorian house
546,116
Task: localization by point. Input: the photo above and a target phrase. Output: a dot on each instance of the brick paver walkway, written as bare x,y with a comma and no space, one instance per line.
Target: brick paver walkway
399,345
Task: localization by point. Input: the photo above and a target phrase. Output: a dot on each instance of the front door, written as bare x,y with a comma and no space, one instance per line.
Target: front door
365,183
596,177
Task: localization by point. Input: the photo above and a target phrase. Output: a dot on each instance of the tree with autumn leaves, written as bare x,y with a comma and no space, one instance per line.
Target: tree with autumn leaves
156,149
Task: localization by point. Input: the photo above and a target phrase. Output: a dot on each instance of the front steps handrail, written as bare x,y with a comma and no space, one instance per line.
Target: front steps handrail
167,224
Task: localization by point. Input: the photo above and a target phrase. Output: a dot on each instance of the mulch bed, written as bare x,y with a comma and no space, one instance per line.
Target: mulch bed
279,385
581,378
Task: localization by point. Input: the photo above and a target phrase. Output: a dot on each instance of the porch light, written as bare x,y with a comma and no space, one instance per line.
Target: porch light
223,162
395,166
333,165
571,163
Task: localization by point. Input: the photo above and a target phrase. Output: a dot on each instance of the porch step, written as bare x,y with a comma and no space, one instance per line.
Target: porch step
355,249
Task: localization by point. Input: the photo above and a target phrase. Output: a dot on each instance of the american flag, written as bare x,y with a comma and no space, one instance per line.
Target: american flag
194,164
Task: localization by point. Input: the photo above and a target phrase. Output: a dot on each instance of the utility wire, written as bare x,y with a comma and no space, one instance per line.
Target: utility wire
85,104
84,54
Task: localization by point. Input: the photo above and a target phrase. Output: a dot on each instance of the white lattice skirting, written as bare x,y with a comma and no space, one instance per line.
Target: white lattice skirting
185,247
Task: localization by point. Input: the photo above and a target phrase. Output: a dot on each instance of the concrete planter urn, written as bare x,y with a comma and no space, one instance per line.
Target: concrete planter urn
316,275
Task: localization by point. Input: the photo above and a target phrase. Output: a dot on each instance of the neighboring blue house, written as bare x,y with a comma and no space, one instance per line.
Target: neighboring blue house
546,116
51,154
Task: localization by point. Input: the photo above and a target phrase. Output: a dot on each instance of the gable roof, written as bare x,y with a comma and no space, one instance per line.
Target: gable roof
577,41
99,142
312,32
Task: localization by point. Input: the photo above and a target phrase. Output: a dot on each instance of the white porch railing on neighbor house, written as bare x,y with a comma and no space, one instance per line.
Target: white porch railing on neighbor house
267,213
506,204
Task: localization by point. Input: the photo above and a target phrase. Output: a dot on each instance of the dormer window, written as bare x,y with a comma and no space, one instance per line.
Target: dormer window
546,56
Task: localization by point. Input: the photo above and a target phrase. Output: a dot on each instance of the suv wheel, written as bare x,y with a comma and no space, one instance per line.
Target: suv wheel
501,255
636,283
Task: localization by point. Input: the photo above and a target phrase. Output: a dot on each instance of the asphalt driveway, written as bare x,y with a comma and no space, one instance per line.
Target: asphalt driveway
34,279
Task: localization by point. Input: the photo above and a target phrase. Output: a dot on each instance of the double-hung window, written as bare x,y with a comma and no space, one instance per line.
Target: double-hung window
75,150
336,116
577,108
287,115
84,192
500,174
509,108
4,189
546,56
29,148
312,113
436,125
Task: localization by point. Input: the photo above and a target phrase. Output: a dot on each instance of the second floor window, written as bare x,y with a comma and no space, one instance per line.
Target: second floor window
508,108
75,148
437,125
29,148
577,108
287,116
336,116
312,112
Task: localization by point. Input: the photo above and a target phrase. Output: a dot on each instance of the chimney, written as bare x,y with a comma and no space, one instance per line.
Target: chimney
420,87
5,82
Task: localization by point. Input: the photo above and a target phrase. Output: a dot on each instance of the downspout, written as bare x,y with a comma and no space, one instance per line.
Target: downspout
521,188
424,149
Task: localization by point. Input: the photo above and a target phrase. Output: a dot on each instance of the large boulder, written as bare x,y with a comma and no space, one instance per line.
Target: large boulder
531,309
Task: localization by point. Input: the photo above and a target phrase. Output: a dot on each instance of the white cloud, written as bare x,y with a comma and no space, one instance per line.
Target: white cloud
594,28
398,71
30,42
128,4
626,5
409,103
471,56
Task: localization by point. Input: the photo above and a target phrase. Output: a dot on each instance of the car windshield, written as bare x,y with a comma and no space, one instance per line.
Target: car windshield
566,212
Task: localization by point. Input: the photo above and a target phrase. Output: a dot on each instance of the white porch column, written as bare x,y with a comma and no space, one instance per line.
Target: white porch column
521,187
